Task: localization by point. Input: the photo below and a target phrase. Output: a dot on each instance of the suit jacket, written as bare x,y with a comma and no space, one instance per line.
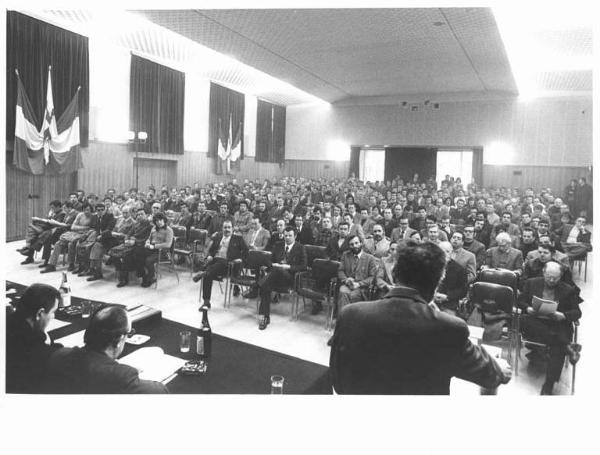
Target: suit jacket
582,237
334,250
26,356
275,238
260,242
305,236
467,260
454,284
237,247
401,345
82,370
513,260
397,234
365,271
566,295
478,249
378,250
296,258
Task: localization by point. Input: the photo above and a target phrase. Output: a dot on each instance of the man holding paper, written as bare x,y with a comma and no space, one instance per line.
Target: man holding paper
551,306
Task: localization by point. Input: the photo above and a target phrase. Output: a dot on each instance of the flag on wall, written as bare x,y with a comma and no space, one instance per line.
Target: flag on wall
229,148
54,149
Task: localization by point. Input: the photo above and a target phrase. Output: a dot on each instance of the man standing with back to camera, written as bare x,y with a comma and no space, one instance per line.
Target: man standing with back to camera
402,344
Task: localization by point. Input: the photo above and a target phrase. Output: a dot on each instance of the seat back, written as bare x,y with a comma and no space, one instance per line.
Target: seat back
499,276
199,235
179,235
257,259
323,270
492,297
315,252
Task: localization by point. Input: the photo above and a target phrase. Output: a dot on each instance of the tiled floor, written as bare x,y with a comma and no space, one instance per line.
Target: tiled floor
304,338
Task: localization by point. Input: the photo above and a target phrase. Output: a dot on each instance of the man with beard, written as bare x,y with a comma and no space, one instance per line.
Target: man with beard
377,245
356,273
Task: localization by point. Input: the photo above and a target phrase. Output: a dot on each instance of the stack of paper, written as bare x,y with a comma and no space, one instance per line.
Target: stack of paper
153,364
543,307
73,340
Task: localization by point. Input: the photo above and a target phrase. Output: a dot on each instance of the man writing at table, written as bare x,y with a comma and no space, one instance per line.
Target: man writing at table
556,329
94,368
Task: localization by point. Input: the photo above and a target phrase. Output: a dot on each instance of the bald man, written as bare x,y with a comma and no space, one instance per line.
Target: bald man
94,368
555,330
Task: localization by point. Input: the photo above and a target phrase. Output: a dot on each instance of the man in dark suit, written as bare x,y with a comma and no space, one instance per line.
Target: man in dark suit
94,368
288,258
40,229
404,345
28,346
555,330
224,248
305,233
454,285
474,246
338,243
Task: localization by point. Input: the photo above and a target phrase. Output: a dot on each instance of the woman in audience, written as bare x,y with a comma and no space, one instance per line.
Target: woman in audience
161,238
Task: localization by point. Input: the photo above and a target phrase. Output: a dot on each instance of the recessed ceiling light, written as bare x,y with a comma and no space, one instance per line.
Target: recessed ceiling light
438,23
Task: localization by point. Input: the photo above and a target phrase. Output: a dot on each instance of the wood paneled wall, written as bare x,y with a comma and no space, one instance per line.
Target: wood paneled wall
111,166
30,195
536,177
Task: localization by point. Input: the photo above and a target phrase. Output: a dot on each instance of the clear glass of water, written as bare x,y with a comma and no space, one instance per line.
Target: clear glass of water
277,384
86,309
185,337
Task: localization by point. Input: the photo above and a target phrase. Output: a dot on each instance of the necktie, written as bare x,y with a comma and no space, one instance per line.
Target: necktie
354,264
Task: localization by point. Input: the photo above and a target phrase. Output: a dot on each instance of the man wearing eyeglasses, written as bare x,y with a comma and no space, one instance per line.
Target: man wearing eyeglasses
94,368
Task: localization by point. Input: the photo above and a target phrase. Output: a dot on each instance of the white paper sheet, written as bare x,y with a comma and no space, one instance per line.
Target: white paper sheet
56,324
153,364
73,340
475,332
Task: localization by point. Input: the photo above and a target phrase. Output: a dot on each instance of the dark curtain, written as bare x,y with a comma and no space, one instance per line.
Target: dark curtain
406,161
477,166
31,46
354,161
279,133
264,132
225,106
270,132
156,98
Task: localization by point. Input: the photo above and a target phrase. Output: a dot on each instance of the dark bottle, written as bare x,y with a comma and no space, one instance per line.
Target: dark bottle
203,342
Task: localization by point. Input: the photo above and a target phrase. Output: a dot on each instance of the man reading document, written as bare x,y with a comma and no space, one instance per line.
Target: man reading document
554,328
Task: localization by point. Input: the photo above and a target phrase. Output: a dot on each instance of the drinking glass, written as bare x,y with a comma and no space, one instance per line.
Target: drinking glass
86,309
185,337
277,384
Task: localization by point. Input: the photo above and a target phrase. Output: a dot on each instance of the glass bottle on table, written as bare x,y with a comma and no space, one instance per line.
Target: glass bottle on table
203,341
65,291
